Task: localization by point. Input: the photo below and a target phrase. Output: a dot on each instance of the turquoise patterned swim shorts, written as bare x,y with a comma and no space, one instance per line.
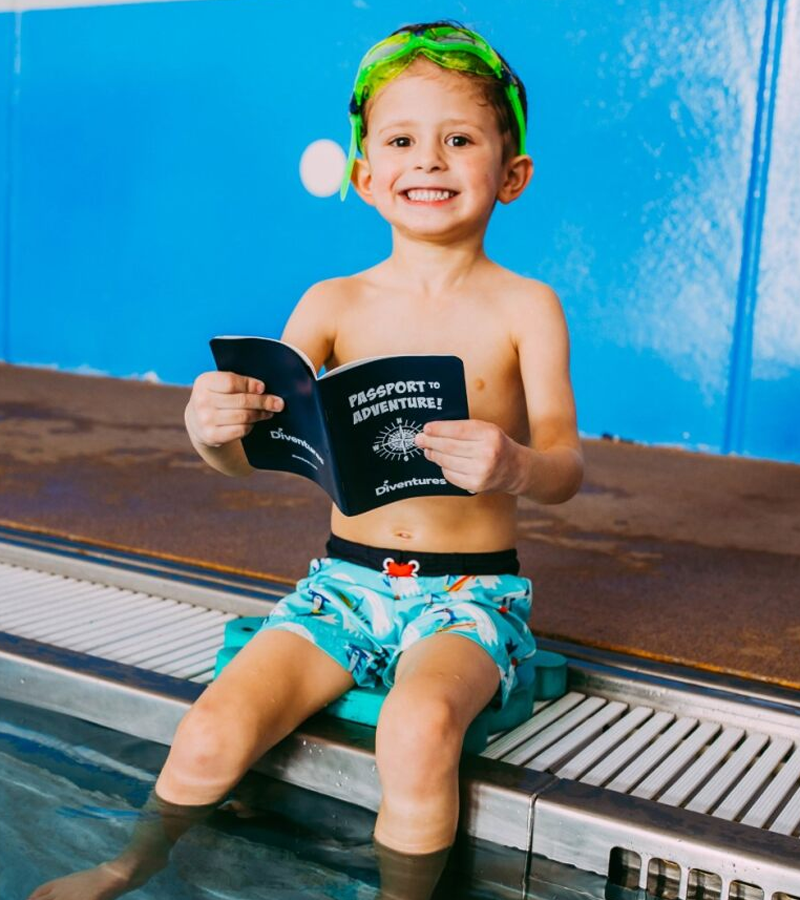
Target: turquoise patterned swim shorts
365,617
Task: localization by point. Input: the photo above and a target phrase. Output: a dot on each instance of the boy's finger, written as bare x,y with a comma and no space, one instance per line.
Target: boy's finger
240,416
450,446
231,383
452,463
272,403
248,401
462,429
457,478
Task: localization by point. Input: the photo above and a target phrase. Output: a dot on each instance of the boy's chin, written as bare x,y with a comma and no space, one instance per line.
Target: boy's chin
435,228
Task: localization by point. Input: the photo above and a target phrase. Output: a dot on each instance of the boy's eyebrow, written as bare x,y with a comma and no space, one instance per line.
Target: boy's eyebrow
406,122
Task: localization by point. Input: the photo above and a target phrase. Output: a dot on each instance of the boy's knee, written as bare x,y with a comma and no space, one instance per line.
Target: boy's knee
206,742
418,731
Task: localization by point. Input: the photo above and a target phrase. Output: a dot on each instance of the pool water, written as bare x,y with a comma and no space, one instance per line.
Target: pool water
70,793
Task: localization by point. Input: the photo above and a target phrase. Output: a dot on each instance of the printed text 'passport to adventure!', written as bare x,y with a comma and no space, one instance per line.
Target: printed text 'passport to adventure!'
352,430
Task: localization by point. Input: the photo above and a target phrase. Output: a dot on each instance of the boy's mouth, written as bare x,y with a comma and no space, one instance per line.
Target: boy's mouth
428,195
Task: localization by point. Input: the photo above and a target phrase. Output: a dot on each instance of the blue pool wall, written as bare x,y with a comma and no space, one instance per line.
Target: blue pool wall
151,195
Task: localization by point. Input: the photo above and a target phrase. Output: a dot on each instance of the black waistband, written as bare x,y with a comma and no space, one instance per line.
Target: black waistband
498,562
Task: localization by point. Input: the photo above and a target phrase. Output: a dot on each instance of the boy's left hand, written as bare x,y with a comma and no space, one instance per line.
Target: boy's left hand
473,454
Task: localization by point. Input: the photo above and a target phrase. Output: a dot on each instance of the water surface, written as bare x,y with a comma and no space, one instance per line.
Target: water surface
70,794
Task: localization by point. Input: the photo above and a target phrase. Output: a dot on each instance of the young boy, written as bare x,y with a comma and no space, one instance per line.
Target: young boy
423,593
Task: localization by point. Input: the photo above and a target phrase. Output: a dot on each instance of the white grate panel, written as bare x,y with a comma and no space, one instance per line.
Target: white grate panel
499,748
138,629
601,748
555,732
759,813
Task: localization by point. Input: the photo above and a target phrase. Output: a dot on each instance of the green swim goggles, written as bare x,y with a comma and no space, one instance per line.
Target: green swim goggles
439,43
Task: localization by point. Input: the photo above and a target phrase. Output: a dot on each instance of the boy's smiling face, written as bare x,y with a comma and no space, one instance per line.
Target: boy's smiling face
434,155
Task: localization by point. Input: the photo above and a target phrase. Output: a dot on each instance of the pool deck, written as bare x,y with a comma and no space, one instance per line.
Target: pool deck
670,555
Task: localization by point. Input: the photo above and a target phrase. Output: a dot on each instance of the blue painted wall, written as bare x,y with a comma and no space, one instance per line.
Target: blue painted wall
155,195
7,55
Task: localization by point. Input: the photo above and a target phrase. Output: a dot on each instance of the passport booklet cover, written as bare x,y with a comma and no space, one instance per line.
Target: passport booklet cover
352,429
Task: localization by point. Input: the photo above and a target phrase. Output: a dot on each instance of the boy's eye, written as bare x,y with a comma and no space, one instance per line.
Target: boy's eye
400,142
458,140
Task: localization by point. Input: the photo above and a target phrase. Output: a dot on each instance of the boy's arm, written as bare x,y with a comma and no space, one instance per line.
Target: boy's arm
312,325
551,469
224,406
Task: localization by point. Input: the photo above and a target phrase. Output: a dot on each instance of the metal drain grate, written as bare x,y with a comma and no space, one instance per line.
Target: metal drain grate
136,628
699,765
665,879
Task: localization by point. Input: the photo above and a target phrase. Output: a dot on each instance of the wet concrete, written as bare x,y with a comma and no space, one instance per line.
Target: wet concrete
668,554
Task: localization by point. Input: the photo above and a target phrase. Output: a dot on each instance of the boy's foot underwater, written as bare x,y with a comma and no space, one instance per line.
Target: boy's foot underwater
409,877
104,882
161,824
402,876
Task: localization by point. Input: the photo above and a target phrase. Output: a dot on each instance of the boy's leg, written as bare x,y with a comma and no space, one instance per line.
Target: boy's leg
272,685
407,876
441,683
275,682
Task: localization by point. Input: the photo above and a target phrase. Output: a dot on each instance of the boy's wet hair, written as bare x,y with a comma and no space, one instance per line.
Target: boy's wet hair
492,88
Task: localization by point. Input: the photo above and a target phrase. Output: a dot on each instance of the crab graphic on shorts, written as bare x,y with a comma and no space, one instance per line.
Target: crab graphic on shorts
401,578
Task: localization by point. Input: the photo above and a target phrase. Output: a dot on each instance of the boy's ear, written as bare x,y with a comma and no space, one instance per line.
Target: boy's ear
518,173
361,179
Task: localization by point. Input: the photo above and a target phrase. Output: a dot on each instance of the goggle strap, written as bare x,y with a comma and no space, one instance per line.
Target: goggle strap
513,96
351,158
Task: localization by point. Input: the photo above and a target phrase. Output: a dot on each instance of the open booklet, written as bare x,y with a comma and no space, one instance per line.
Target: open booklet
351,430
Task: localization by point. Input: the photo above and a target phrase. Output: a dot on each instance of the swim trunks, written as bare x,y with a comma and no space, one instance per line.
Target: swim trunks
364,606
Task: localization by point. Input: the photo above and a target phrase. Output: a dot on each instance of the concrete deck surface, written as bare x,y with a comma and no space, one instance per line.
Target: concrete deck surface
668,554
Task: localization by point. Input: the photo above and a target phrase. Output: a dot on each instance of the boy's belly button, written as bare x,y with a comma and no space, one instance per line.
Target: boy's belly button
405,535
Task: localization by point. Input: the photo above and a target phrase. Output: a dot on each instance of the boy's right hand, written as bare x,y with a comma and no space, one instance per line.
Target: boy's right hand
224,407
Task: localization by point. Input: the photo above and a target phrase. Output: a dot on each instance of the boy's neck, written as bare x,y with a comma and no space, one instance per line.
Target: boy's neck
429,269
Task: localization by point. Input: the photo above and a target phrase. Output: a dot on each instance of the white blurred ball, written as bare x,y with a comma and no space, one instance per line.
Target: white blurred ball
321,167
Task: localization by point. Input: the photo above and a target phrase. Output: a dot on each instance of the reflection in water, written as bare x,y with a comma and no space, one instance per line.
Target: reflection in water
72,796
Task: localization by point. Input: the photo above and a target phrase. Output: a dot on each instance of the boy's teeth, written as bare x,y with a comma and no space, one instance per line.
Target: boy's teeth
429,196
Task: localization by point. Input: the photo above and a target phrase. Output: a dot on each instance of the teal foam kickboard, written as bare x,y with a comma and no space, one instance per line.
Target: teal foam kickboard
542,677
239,631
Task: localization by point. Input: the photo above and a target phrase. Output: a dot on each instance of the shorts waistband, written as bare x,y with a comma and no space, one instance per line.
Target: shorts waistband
497,562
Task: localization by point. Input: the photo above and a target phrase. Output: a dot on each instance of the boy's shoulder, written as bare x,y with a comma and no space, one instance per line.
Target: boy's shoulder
326,289
330,292
521,287
523,294
531,310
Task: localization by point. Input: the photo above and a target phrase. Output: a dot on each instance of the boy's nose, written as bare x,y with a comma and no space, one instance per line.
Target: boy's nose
431,165
429,156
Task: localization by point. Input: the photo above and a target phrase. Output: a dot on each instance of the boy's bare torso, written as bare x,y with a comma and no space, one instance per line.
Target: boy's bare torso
374,316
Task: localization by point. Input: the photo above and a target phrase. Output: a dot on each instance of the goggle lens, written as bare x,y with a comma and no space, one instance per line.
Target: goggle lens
384,49
445,36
